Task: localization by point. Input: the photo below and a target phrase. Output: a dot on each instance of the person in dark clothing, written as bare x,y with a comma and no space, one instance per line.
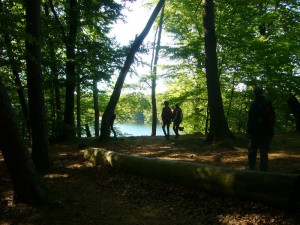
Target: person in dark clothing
112,120
166,117
260,129
177,119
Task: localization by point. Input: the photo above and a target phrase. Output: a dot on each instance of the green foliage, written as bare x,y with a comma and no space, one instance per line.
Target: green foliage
134,107
257,43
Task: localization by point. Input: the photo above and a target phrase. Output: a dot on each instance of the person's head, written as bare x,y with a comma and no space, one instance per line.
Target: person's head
177,105
166,103
258,91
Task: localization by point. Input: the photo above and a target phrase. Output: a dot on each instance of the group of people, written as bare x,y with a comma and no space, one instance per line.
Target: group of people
168,116
260,126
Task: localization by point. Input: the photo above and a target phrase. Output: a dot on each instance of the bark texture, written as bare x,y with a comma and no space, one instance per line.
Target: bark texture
36,100
28,187
218,124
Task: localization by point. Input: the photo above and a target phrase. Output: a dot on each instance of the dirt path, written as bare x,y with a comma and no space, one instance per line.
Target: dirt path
84,194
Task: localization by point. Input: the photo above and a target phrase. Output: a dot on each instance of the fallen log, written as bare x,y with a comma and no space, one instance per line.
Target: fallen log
276,189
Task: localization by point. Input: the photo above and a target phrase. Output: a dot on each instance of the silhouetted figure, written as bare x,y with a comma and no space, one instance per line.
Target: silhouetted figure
177,119
87,130
112,120
166,117
260,129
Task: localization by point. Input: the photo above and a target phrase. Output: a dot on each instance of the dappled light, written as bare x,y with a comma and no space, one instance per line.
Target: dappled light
54,175
87,194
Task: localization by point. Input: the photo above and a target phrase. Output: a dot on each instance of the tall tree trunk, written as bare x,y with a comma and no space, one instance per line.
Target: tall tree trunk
36,99
70,68
78,110
57,114
15,71
28,188
96,107
154,75
105,123
230,98
218,123
70,43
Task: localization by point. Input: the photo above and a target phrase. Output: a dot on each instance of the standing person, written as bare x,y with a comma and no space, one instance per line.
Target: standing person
112,120
260,129
177,119
166,117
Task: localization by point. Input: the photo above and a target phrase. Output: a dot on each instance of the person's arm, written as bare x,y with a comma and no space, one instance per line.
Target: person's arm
250,123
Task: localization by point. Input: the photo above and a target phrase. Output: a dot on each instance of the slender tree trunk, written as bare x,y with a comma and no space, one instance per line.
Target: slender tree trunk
57,114
105,123
96,107
28,188
15,71
37,112
207,120
70,42
231,98
78,114
154,75
218,123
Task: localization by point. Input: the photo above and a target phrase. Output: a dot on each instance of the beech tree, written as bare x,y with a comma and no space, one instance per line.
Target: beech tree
36,99
218,123
154,73
28,188
105,123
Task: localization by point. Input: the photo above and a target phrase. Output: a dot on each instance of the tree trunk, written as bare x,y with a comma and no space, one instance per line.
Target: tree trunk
56,101
154,75
36,99
28,188
69,40
277,189
15,71
78,110
218,124
105,123
96,107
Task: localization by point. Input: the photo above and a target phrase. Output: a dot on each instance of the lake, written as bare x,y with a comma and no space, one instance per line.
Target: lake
135,129
138,129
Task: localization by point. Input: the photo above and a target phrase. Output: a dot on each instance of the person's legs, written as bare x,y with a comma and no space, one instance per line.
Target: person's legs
175,128
264,152
168,130
164,130
252,153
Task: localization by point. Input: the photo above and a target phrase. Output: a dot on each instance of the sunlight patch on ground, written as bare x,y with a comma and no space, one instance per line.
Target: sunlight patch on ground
8,198
74,166
56,175
284,155
150,153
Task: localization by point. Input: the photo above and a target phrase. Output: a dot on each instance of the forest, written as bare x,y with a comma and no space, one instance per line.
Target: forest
63,74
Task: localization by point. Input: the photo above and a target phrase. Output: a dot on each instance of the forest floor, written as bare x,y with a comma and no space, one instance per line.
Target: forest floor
87,194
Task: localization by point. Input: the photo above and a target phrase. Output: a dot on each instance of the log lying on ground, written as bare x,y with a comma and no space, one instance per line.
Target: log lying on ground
276,189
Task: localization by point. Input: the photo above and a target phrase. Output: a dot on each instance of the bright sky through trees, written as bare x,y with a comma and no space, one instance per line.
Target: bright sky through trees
137,15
